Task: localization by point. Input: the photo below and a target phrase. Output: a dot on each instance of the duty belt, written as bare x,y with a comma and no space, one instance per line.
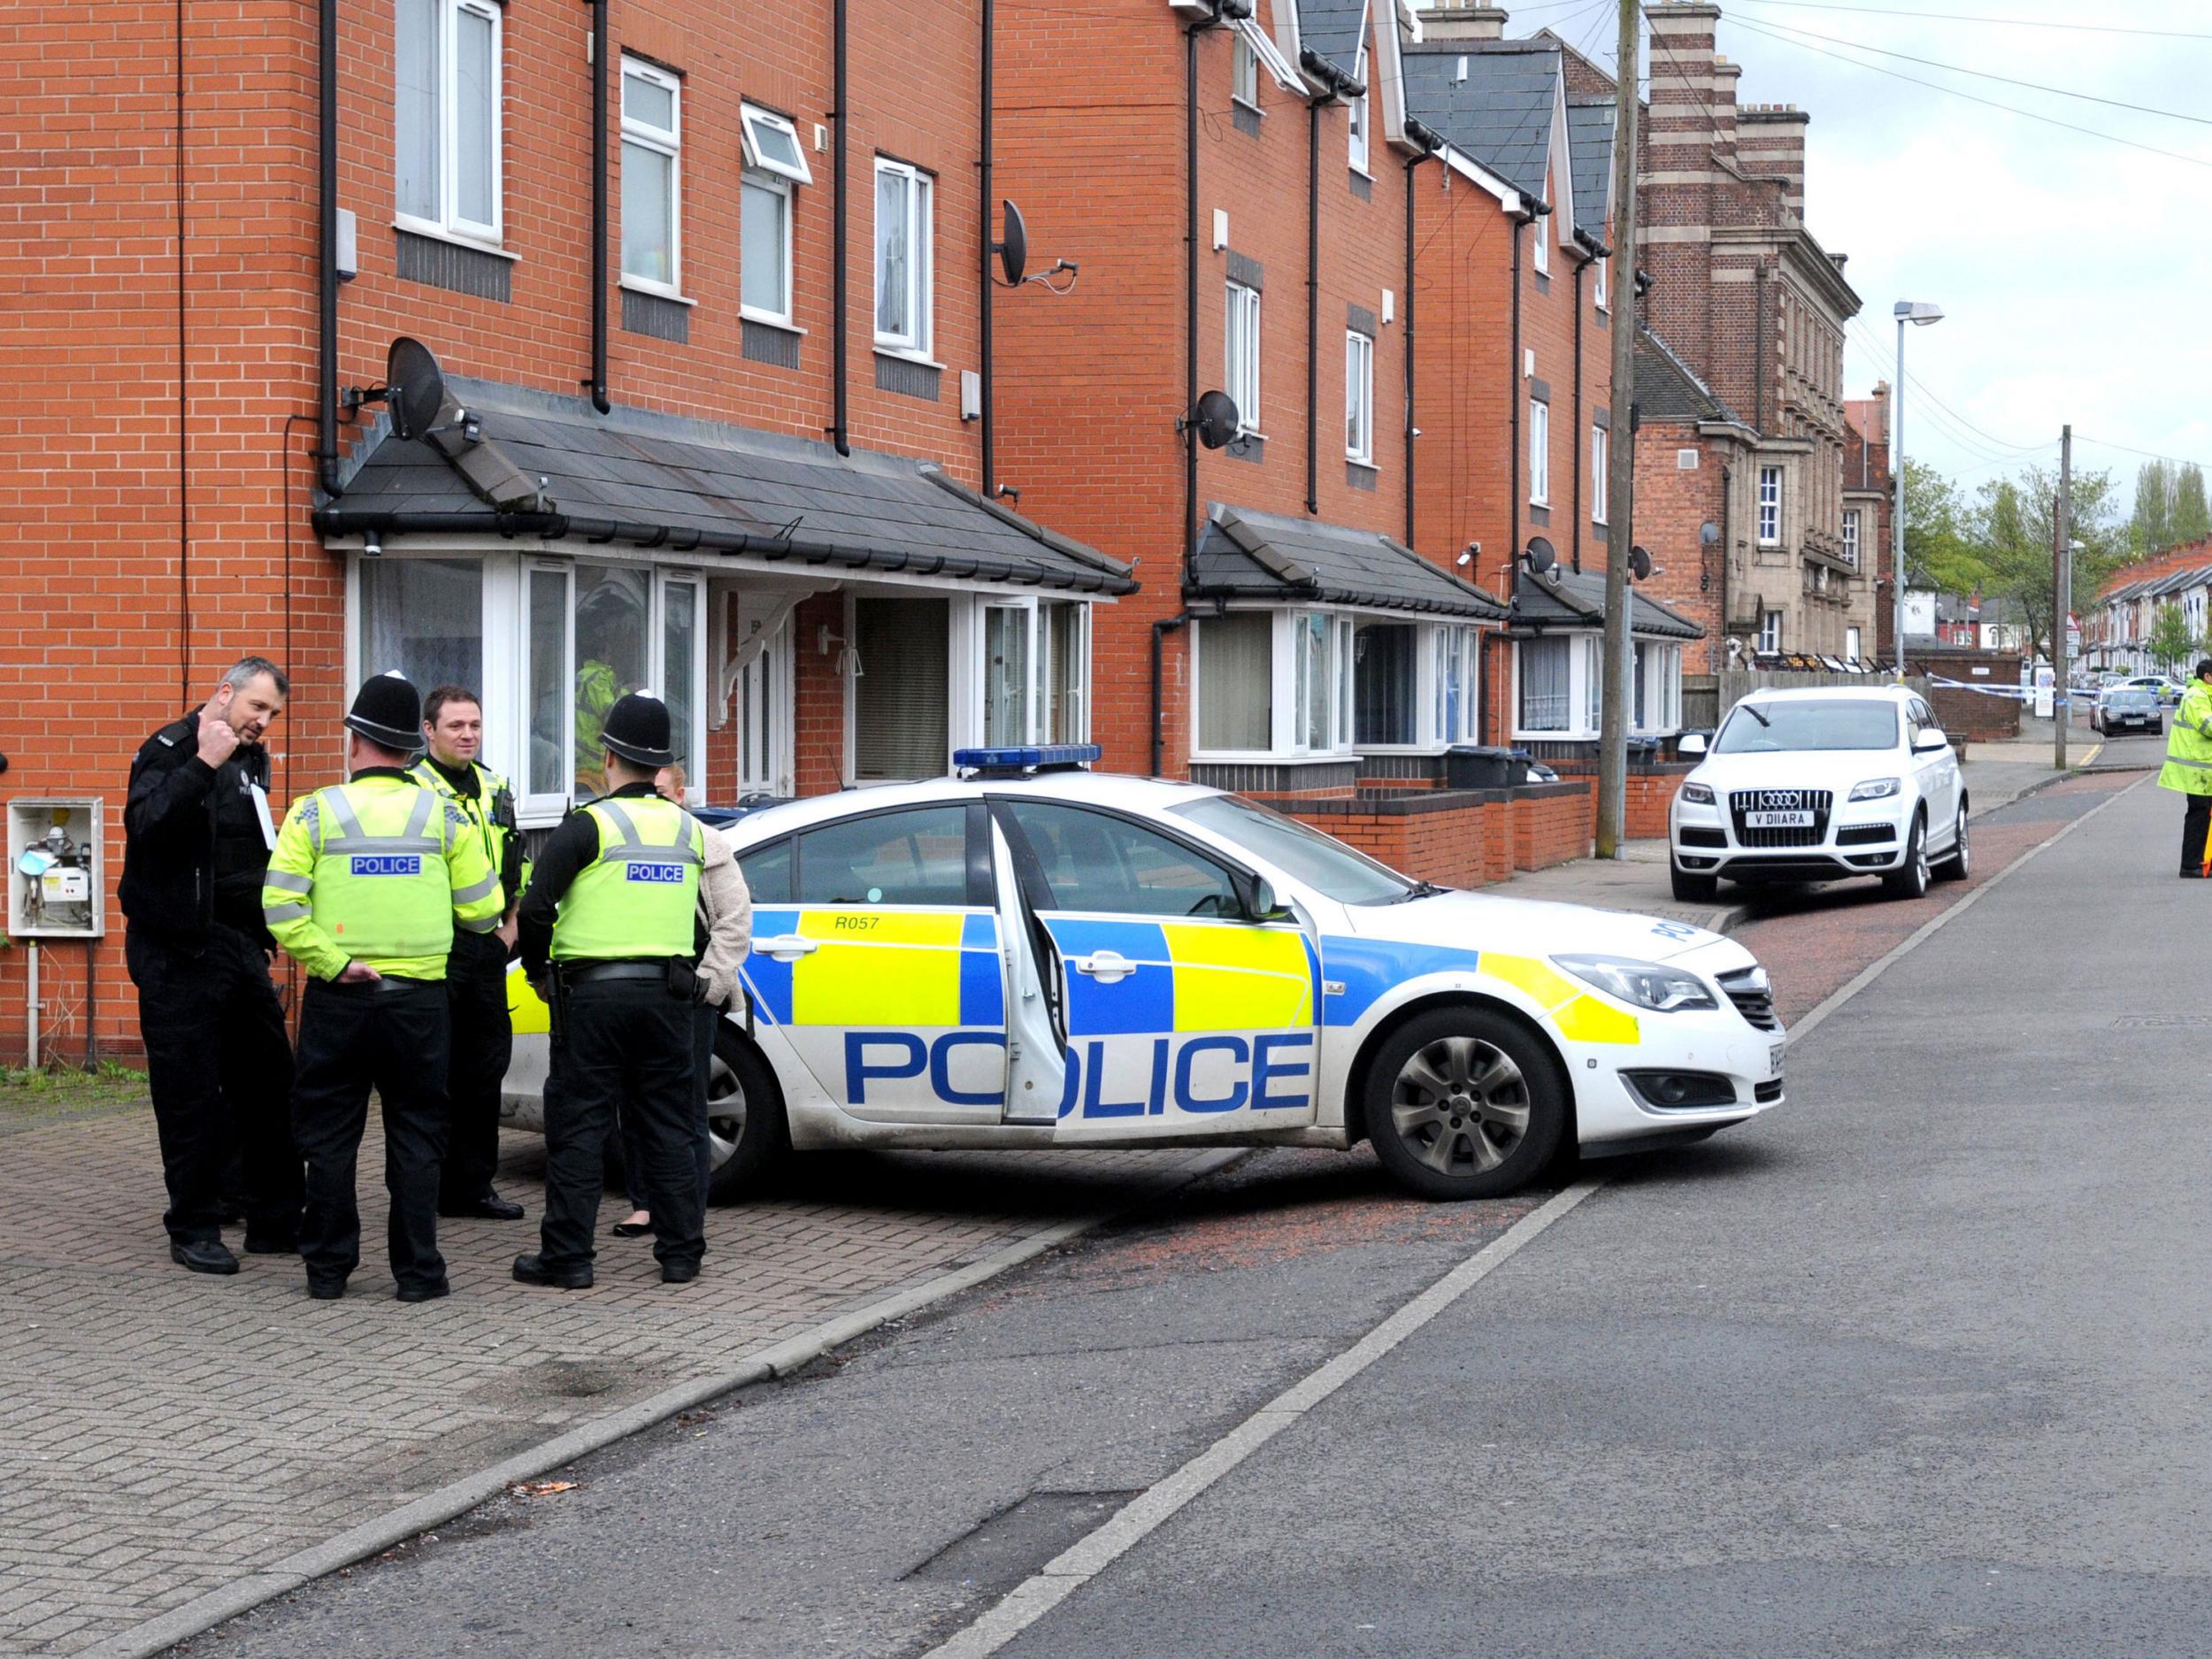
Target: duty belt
591,972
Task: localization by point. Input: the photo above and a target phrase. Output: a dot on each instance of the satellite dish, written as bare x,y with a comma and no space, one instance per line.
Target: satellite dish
1013,253
1639,562
1708,534
1540,556
416,386
1216,419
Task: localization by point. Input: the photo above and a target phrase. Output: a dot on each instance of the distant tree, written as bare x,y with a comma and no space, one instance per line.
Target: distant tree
2192,518
2152,528
2169,641
1938,553
2013,530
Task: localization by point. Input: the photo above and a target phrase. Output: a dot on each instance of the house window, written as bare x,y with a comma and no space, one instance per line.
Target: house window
1538,453
903,240
1359,398
1244,73
1600,468
1458,652
446,117
901,682
1242,350
1321,669
1769,506
1236,682
774,164
1034,660
1851,644
1591,650
652,140
1600,293
1639,681
1771,631
1543,234
1358,108
1386,678
424,617
1851,537
1546,692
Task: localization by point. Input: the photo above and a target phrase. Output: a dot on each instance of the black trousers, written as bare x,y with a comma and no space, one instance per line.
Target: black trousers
705,1017
390,1036
2194,825
220,1066
482,1043
626,1047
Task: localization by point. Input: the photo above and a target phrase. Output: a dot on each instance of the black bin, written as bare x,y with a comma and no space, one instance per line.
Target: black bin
1479,766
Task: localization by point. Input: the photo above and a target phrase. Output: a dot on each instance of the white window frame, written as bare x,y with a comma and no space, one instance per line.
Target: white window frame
1581,662
1769,506
971,720
1359,396
921,227
1538,453
448,224
1600,284
1852,638
754,121
1851,535
1244,73
665,141
1287,740
1600,458
1240,337
1356,133
1771,631
1543,233
778,185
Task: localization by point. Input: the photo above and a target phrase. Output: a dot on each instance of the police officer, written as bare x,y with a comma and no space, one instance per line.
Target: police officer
476,973
197,838
609,908
369,880
2188,767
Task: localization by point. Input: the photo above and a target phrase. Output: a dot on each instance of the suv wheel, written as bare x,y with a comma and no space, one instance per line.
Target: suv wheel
1909,880
1465,1103
1959,863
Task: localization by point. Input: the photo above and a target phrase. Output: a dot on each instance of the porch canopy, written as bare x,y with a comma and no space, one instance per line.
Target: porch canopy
1561,600
1263,556
518,464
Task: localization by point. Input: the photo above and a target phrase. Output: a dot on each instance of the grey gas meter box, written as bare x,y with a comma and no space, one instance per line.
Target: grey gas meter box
56,868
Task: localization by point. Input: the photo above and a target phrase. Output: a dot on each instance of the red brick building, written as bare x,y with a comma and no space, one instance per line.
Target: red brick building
1869,505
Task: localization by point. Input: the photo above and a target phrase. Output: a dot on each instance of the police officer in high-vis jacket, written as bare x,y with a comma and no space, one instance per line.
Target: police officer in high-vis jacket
608,914
369,879
476,973
2188,767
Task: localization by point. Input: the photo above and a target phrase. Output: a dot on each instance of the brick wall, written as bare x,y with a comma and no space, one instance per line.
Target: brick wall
1650,792
1463,838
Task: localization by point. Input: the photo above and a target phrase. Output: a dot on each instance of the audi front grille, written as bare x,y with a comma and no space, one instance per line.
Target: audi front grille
1743,802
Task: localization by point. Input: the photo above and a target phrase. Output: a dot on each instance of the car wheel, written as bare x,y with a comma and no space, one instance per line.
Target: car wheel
1692,889
747,1135
1909,880
1465,1103
1959,863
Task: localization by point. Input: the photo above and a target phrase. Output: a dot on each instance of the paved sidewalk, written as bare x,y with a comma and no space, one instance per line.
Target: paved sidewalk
166,1434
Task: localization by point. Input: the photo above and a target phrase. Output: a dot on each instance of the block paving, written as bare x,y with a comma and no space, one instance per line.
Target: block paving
167,1433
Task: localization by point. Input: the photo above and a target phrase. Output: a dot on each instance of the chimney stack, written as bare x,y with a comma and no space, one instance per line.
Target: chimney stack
1463,20
1773,147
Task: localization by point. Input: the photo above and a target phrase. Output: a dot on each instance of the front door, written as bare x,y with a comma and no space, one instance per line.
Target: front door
1178,1011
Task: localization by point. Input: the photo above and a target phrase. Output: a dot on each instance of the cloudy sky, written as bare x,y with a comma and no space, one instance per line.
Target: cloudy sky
2076,273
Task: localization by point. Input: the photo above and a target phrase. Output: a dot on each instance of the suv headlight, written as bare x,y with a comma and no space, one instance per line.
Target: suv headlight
1874,789
1650,984
1697,794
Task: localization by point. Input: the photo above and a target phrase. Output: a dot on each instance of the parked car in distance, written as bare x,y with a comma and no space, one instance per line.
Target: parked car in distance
2166,690
2127,708
1817,784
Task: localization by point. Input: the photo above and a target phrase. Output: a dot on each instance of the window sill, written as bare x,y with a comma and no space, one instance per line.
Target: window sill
1248,106
658,290
439,232
1271,758
919,359
769,320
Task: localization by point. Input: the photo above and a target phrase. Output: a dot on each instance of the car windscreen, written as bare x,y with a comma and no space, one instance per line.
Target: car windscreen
1845,723
2129,699
1298,850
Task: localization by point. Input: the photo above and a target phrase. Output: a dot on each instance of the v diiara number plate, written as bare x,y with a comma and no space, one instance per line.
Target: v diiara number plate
1777,820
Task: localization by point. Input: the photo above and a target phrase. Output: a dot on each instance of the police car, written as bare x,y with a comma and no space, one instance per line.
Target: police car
1032,955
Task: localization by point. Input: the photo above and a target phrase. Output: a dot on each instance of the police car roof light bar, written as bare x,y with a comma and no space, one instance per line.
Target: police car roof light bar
1024,759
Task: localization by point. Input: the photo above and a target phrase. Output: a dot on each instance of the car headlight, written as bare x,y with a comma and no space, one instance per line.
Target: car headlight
1650,984
1874,789
1697,794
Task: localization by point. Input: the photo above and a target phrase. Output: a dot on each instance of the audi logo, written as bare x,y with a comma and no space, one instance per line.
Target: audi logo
1772,799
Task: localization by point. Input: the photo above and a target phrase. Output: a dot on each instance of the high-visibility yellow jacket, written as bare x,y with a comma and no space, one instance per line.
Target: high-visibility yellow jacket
378,871
490,809
2188,767
635,896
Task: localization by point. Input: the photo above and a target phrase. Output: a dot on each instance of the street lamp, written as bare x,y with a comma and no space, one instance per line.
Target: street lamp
1920,313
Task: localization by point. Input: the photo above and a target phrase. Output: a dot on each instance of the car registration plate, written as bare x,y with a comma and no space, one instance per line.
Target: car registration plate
1778,820
1774,1060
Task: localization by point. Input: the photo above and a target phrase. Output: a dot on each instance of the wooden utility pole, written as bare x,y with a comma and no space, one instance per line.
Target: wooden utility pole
2062,574
1615,702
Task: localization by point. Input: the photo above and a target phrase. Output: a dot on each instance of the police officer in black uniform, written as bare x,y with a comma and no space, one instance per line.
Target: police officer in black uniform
197,838
606,934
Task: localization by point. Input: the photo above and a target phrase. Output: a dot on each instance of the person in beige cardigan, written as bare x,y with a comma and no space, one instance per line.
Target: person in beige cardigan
726,917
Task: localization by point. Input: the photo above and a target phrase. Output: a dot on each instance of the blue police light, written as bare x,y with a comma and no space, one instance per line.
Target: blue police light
1024,758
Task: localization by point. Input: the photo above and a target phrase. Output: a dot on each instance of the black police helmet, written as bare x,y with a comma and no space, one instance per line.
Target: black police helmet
636,728
387,710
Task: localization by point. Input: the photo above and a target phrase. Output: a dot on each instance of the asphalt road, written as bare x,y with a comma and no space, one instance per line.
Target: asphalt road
1912,1366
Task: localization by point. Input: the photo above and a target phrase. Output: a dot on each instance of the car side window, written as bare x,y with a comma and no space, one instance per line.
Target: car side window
767,871
915,856
1092,861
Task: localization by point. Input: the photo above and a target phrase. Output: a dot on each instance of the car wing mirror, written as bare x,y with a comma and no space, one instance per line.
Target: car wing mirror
1267,905
1929,742
1691,743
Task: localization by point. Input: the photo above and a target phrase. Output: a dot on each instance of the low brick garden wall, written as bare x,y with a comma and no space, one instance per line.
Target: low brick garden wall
1460,838
1651,787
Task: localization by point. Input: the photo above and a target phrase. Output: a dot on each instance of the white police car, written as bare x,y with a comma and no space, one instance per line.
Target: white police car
1032,954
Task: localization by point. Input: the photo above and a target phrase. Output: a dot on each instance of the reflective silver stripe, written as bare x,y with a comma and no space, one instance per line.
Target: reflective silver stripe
622,822
283,912
340,808
2201,765
384,844
419,820
636,846
476,890
287,882
478,925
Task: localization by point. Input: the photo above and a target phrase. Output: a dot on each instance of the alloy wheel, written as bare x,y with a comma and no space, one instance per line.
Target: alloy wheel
726,1112
1460,1105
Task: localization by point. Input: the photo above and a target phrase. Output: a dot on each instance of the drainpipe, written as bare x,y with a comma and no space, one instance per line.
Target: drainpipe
1522,219
1580,267
326,320
1339,85
599,49
990,472
840,432
1727,551
1430,144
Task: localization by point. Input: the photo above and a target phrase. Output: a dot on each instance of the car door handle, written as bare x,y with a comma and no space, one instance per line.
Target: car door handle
1109,967
787,947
